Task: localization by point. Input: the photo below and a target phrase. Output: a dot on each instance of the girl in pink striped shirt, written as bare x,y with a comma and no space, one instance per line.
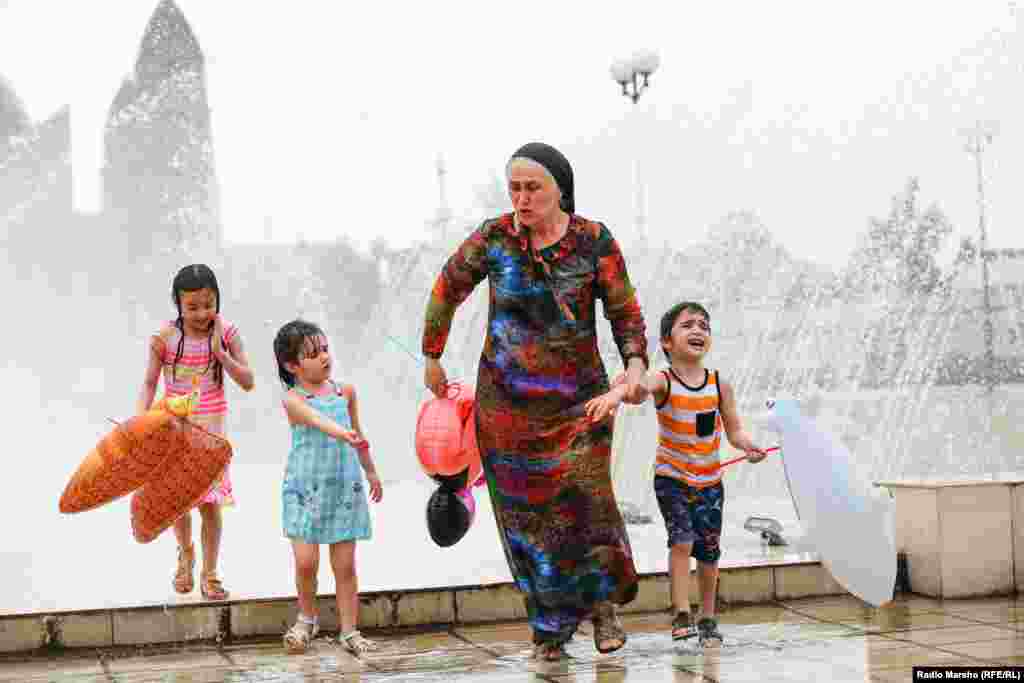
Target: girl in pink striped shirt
199,343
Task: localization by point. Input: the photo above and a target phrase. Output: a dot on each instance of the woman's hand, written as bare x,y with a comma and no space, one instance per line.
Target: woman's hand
635,390
376,488
434,377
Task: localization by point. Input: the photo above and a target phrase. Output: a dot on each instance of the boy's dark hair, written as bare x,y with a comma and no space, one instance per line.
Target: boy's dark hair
672,314
192,279
289,343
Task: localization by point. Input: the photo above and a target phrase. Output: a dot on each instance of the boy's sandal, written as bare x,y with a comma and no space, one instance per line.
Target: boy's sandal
683,626
184,581
609,635
211,586
299,637
355,643
550,651
710,636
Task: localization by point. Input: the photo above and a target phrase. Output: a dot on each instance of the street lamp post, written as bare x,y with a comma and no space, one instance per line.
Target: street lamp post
978,138
633,75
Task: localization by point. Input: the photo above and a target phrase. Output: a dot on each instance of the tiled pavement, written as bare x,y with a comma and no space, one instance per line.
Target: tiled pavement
820,639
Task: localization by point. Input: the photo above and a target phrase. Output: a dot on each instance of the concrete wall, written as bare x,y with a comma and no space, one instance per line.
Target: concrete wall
454,606
962,539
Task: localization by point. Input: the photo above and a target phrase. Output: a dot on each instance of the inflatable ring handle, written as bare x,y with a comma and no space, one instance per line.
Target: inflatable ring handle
457,386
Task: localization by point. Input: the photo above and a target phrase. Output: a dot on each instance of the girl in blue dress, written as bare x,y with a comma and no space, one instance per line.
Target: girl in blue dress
323,496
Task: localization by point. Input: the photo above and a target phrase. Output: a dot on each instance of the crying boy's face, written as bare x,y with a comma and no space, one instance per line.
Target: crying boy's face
690,337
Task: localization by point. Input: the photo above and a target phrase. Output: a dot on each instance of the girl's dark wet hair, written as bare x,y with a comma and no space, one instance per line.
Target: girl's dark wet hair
672,314
192,279
289,343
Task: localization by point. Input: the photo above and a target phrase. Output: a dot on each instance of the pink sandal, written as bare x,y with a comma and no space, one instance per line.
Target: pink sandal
211,587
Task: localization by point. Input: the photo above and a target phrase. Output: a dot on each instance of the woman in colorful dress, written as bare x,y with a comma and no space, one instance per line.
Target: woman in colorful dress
547,465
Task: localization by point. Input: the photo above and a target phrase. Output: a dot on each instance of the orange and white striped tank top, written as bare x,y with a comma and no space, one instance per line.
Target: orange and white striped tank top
690,431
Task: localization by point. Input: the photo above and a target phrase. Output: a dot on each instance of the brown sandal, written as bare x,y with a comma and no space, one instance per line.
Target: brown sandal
607,628
211,587
184,581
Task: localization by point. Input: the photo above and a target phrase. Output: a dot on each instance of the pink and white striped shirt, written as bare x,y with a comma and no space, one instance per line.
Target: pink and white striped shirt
195,360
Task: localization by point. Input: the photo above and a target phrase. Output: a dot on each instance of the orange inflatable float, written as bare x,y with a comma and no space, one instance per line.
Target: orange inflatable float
170,463
178,483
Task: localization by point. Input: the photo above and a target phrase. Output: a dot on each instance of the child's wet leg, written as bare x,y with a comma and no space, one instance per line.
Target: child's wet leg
307,566
212,528
184,579
707,527
707,578
343,562
307,625
344,566
679,571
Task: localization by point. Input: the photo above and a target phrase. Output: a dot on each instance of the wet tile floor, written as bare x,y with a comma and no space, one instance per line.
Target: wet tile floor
820,639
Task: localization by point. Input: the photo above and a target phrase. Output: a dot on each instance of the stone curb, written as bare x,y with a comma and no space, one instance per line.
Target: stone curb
450,606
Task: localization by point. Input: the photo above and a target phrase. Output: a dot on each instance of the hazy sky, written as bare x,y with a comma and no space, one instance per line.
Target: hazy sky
328,117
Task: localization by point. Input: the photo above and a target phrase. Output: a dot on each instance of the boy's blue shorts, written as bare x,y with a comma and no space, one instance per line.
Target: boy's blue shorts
692,515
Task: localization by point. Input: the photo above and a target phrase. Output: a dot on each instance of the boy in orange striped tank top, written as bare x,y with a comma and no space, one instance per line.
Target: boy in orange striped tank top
694,407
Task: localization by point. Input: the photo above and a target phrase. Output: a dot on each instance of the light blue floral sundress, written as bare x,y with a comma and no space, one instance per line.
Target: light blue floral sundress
323,497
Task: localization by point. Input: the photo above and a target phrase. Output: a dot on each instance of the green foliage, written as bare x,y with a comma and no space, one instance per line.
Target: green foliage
898,265
899,255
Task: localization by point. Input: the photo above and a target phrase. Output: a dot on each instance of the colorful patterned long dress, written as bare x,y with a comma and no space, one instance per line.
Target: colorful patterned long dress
547,465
